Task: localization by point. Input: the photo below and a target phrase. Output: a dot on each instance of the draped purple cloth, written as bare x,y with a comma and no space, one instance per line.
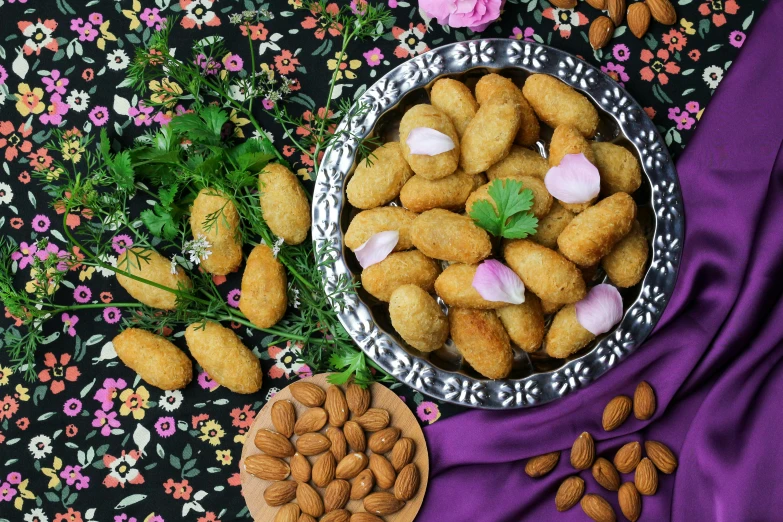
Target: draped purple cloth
714,360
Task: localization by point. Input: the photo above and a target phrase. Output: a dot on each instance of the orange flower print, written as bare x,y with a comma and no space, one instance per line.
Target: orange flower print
660,66
285,62
57,372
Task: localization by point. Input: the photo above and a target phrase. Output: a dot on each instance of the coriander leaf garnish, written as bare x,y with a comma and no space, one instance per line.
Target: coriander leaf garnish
509,216
352,363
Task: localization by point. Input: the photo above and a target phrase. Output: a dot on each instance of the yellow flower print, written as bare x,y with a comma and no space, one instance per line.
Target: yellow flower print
133,15
105,35
86,273
239,438
211,432
239,122
22,391
53,173
165,92
304,173
5,372
269,71
224,457
29,100
53,473
134,402
345,66
24,494
687,27
33,286
296,4
72,150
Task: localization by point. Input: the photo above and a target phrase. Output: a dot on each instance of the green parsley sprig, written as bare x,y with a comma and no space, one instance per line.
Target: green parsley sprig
507,215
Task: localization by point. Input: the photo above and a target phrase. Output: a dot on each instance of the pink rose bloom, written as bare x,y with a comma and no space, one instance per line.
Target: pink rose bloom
476,15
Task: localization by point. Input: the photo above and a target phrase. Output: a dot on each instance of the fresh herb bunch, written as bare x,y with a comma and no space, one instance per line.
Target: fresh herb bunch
200,148
508,214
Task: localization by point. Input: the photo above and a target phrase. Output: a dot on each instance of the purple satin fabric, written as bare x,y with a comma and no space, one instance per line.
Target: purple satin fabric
714,359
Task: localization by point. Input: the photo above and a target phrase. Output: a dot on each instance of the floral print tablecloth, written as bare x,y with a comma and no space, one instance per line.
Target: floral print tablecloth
89,441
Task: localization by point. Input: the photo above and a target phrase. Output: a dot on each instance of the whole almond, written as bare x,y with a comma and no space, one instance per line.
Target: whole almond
542,464
362,485
606,474
661,456
287,513
638,23
354,434
309,500
340,515
279,493
402,453
339,446
583,451
627,458
308,394
301,470
312,420
383,441
601,31
630,501
351,465
598,509
304,517
336,406
616,412
569,493
383,471
374,419
283,417
616,9
662,10
267,467
563,4
644,396
324,470
274,444
358,399
598,4
407,483
365,517
646,478
311,444
382,504
336,495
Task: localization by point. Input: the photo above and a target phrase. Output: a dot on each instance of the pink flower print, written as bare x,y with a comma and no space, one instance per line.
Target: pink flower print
50,250
209,65
14,478
73,476
565,19
166,427
660,66
718,8
121,242
70,321
55,112
233,298
99,115
616,72
683,118
41,223
123,517
82,294
109,392
58,372
692,107
112,314
72,407
736,39
3,75
267,104
151,17
206,382
6,492
95,18
428,412
518,34
621,52
233,62
86,31
373,57
105,421
141,114
24,256
55,82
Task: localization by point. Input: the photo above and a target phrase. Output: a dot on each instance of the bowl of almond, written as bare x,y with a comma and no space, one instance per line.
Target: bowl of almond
320,452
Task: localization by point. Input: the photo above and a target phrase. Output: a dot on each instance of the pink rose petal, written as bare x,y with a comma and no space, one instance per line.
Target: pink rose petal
377,248
600,310
429,142
494,281
575,180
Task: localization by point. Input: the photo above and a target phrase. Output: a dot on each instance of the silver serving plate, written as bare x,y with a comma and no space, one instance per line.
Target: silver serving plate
535,378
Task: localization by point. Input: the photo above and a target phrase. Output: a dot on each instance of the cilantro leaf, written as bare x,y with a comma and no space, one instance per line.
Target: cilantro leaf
351,362
507,215
160,222
167,196
203,126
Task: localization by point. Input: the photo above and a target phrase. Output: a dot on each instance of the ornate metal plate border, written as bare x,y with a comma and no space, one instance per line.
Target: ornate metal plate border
640,317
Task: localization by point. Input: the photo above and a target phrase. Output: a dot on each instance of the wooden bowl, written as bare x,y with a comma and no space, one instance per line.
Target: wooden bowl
401,417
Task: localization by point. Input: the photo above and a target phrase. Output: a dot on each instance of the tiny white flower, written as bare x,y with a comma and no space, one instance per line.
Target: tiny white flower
276,247
6,194
78,100
295,301
118,60
197,249
173,266
40,446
